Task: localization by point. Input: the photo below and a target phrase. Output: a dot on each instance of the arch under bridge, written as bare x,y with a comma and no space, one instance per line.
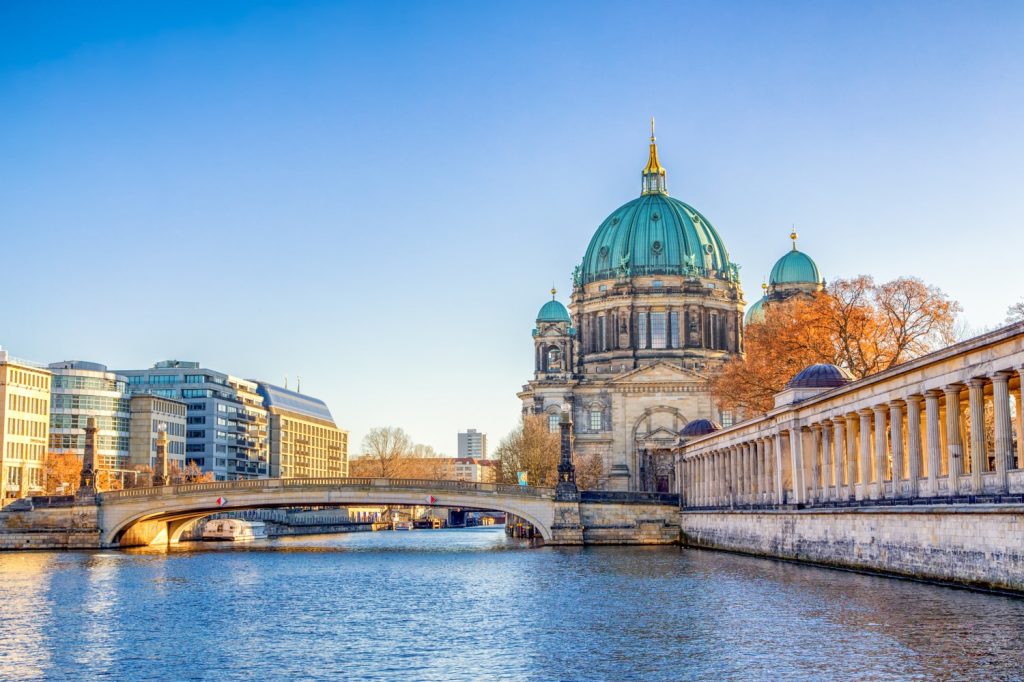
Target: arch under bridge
159,515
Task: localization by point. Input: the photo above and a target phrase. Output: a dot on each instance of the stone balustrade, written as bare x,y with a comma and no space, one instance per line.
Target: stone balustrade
944,427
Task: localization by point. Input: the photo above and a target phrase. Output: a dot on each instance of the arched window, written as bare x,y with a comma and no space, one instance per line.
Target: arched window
554,359
553,422
595,419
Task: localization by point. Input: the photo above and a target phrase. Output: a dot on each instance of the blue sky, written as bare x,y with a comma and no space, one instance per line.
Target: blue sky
377,197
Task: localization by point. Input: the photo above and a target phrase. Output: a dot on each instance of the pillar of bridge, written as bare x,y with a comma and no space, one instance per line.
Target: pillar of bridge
954,446
1003,428
896,445
976,410
914,445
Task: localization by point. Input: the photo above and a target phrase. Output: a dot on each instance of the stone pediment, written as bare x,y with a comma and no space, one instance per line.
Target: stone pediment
659,434
660,373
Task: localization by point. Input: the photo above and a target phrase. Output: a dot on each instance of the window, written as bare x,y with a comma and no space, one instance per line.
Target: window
553,422
658,330
196,393
195,447
674,340
657,284
602,333
163,379
641,330
595,420
197,420
196,407
195,378
195,434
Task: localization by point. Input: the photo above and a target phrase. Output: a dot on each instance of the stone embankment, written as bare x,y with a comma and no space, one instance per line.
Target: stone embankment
49,523
975,545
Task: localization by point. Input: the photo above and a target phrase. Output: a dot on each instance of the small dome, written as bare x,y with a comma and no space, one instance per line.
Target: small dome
553,311
700,427
755,313
796,267
820,376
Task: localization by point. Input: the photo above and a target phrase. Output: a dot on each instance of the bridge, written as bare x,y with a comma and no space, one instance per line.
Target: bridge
159,515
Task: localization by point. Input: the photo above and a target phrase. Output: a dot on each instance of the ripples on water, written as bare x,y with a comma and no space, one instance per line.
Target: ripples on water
472,605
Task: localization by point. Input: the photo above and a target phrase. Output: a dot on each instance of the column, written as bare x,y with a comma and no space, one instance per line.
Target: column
896,440
864,437
796,458
762,472
976,408
755,473
1004,428
744,490
826,459
777,467
769,470
817,455
881,451
954,447
838,425
1019,464
934,434
852,456
914,445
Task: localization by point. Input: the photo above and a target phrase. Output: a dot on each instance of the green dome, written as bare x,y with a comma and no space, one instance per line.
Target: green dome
755,313
654,235
793,268
553,311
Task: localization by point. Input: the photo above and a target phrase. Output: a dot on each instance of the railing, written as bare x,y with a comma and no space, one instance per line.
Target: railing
283,483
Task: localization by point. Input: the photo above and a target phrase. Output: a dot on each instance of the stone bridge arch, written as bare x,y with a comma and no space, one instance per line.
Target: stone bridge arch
146,516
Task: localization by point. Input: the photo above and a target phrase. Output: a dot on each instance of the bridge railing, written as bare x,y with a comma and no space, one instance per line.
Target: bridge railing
427,485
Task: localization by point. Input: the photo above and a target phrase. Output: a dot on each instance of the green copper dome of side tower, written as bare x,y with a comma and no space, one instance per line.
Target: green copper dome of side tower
655,235
796,267
553,311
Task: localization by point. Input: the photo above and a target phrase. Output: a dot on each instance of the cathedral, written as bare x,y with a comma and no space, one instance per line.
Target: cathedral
656,309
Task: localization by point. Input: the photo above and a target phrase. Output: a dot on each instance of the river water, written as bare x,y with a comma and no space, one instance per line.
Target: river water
473,605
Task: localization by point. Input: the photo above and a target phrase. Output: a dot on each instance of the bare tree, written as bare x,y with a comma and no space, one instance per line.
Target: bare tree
1015,313
384,449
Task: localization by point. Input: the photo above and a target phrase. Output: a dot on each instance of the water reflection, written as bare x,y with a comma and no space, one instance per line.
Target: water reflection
443,605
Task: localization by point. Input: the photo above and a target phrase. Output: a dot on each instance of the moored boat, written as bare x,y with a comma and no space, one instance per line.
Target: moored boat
237,530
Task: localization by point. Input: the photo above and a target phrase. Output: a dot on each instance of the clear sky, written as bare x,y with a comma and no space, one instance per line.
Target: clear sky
377,196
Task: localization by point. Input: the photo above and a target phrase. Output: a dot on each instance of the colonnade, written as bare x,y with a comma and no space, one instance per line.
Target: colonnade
958,439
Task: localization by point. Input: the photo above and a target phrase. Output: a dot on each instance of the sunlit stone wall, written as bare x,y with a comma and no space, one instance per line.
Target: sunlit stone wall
980,545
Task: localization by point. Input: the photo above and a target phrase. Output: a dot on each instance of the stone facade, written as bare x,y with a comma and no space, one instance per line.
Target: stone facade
978,545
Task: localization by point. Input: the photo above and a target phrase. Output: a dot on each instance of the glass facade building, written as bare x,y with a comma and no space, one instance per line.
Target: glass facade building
80,390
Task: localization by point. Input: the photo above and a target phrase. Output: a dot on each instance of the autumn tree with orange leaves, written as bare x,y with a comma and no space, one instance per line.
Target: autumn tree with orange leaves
856,324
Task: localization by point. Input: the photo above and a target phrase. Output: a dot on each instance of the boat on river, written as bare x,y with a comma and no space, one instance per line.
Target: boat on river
403,525
236,530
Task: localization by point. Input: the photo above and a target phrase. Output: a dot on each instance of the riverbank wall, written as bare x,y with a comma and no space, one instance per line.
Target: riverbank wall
53,523
974,545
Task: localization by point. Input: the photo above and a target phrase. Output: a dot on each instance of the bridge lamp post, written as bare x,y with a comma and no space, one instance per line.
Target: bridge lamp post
566,489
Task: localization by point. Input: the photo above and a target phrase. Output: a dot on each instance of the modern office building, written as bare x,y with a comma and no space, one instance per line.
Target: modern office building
150,413
472,443
24,426
226,424
80,390
304,440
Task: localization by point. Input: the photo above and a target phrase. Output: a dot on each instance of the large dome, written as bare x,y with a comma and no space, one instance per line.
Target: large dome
654,235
